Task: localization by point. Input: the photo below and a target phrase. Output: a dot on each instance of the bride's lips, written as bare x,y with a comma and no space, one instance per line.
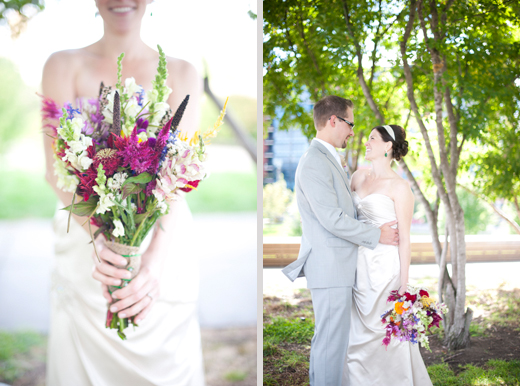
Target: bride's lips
122,10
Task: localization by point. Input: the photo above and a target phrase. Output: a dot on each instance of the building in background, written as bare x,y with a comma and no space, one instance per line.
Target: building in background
282,151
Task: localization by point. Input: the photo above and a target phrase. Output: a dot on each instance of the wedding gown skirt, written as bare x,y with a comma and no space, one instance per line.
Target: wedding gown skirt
378,272
164,350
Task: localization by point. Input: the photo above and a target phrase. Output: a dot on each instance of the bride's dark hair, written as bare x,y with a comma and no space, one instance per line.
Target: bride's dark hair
400,145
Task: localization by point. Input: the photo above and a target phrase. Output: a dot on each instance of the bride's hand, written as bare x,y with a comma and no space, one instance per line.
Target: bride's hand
138,297
104,270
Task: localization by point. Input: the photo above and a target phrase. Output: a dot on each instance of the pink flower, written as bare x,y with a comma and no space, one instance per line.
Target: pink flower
50,111
110,315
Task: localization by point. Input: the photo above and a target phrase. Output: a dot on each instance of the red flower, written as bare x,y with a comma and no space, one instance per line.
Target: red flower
109,159
87,179
424,293
193,184
409,297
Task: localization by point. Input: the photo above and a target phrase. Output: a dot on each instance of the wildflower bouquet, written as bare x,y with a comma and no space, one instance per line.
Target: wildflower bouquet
122,154
412,314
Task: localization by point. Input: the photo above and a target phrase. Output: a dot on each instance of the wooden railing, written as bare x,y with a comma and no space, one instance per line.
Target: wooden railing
278,252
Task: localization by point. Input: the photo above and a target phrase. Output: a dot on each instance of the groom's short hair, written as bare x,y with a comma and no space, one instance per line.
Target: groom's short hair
330,105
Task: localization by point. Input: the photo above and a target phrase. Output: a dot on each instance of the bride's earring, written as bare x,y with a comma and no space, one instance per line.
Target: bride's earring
386,155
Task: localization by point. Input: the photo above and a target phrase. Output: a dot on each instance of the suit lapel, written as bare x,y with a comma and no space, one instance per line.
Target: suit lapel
331,158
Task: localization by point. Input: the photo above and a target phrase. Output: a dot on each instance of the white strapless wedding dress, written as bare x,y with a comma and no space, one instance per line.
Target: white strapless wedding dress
164,350
378,272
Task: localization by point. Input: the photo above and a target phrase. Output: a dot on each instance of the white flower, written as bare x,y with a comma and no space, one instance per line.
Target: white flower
119,230
80,162
116,181
132,108
81,144
109,118
66,180
105,200
162,206
131,87
142,136
162,106
107,112
151,96
84,161
168,92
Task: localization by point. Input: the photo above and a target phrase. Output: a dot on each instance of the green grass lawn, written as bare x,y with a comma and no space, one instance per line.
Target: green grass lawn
288,327
20,352
27,195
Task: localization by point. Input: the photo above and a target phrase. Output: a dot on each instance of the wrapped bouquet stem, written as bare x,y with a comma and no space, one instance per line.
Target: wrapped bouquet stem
132,256
122,153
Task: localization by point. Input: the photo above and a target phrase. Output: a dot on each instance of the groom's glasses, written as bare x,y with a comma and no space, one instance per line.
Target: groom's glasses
344,120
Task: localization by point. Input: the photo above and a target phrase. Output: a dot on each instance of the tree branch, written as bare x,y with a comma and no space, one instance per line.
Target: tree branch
497,210
411,97
374,51
360,73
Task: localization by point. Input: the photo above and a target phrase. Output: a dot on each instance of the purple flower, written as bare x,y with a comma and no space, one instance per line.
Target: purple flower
142,124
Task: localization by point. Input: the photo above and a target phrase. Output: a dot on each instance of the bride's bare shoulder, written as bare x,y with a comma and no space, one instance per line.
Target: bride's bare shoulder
357,178
59,73
182,72
401,189
64,60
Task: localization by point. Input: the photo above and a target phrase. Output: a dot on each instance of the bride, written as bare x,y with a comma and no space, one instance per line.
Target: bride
380,196
165,349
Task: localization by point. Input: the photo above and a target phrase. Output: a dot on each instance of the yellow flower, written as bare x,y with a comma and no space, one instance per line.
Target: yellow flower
426,301
194,141
183,137
212,133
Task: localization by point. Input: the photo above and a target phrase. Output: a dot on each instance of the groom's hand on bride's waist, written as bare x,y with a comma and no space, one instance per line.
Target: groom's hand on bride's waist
389,235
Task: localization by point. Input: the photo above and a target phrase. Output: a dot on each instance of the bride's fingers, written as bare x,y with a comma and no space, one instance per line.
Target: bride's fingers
110,270
137,283
141,315
134,303
137,308
106,293
107,255
104,279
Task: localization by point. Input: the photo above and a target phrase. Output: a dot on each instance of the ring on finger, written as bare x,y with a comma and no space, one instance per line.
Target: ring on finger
150,296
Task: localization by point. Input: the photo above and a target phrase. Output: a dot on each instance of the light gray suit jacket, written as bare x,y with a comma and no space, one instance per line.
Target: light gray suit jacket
331,233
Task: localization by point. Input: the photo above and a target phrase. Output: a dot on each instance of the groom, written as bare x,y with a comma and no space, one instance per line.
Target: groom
331,236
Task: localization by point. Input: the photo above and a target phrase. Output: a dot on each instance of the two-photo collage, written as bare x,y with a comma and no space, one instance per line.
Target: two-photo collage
243,193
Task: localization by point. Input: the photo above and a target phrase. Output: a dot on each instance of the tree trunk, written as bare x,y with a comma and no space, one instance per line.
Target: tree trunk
457,321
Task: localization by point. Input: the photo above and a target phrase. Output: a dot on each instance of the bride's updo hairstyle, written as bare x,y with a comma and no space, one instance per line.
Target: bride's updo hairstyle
400,145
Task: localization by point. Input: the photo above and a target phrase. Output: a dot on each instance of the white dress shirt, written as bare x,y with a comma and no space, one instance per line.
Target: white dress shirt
331,149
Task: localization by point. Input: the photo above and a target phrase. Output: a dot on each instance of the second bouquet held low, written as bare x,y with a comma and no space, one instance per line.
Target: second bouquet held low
123,154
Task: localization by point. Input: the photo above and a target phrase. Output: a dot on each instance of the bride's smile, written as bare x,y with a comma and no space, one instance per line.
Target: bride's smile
122,9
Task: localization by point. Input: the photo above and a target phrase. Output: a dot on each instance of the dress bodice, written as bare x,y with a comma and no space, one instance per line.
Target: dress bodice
375,209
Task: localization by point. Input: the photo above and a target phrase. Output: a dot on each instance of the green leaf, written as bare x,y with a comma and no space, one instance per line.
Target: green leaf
142,178
83,208
131,188
140,217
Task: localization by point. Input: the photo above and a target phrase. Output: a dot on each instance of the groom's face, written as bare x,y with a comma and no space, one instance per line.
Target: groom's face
344,130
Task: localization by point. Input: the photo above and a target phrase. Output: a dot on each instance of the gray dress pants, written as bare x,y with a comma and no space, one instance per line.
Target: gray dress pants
332,308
